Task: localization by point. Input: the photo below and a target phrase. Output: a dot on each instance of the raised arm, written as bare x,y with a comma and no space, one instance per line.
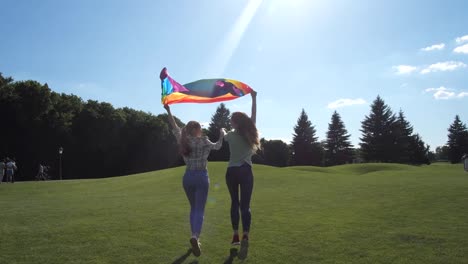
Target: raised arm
254,107
170,117
218,143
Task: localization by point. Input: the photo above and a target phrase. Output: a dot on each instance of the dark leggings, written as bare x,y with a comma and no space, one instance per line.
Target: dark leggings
240,177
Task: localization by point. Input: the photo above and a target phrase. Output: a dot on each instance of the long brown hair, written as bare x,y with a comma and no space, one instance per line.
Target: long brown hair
246,128
189,130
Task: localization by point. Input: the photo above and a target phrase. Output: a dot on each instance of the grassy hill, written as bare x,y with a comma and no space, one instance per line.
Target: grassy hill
366,213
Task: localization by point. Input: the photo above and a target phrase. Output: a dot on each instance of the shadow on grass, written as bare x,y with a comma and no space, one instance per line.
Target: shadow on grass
244,249
182,258
232,255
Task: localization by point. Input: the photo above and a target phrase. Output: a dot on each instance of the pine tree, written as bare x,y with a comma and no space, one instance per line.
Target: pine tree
403,134
457,140
305,147
378,140
338,149
420,151
220,119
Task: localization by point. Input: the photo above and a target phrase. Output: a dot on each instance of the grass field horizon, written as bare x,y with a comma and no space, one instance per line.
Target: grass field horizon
360,213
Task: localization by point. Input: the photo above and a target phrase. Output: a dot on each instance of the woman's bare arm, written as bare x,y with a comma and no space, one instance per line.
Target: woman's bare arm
170,117
253,116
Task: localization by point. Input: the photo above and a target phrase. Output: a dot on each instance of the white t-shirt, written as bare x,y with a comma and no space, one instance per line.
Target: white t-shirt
11,165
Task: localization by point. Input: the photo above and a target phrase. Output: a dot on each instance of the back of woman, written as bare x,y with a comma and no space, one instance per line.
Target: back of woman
194,148
243,142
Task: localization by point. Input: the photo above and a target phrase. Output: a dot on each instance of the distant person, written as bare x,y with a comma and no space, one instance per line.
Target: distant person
465,161
195,149
2,170
10,170
40,172
243,143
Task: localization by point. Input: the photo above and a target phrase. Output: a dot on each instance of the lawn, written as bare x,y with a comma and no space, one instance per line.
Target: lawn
366,213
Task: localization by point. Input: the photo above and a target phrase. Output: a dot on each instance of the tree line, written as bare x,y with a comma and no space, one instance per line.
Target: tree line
99,140
385,137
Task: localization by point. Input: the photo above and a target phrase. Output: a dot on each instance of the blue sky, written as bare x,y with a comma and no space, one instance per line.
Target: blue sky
310,54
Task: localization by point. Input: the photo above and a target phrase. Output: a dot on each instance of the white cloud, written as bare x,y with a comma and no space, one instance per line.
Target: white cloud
443,66
462,39
440,46
346,102
443,93
461,49
404,69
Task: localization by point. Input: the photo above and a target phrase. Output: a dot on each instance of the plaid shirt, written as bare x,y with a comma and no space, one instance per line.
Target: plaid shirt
201,147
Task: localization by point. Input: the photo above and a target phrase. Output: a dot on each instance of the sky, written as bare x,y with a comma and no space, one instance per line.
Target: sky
316,55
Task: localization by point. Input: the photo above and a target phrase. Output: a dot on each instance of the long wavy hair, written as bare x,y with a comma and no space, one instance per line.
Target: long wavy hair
190,129
246,128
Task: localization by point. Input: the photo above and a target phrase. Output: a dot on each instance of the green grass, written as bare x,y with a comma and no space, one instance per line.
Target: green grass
368,213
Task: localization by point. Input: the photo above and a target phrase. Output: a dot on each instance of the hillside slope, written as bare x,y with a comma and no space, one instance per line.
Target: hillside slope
366,213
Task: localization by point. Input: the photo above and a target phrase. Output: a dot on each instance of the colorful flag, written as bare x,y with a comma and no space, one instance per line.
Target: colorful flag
201,91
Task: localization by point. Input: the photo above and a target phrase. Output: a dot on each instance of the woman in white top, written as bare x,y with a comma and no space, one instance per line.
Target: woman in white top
10,170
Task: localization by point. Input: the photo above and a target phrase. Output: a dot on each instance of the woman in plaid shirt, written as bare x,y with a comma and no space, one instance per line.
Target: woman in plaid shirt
195,149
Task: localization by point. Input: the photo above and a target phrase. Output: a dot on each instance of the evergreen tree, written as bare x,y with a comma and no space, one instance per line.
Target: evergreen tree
420,151
220,119
457,140
306,150
403,134
378,139
338,149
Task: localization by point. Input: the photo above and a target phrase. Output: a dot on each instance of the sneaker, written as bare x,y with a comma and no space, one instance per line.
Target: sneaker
235,240
195,247
245,237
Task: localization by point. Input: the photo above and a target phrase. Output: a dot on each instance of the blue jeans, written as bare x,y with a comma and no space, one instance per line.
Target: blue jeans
240,177
196,184
10,175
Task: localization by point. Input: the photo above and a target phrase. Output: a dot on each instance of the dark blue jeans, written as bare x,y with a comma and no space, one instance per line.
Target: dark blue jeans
196,184
240,177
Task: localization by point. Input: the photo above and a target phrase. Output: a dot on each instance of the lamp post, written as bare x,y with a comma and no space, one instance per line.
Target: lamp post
60,150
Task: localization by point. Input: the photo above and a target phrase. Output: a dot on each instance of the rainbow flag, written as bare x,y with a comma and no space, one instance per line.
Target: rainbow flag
201,91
